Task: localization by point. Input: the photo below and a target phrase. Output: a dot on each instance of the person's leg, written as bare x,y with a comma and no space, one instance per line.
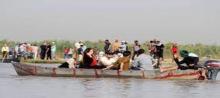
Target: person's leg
35,55
98,67
64,65
54,55
134,54
135,68
43,55
49,56
182,67
3,54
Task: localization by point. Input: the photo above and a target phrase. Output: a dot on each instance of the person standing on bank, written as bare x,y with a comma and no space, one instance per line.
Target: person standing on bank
174,51
107,46
53,50
5,51
43,51
115,47
159,50
48,52
136,47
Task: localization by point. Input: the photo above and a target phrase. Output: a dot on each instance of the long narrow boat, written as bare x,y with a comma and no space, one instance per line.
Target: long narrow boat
27,69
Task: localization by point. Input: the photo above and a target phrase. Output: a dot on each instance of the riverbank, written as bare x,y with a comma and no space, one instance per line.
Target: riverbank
201,49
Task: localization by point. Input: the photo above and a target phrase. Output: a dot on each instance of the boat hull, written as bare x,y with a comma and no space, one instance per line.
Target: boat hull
27,69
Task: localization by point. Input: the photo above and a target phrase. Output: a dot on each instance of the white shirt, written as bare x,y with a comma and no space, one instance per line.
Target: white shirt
107,61
193,55
71,62
77,45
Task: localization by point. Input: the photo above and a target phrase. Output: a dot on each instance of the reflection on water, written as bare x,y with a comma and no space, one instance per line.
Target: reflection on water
13,86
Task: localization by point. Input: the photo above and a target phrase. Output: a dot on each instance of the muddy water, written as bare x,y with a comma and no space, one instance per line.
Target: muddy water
13,86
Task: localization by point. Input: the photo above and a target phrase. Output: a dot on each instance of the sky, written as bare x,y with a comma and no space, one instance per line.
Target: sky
182,21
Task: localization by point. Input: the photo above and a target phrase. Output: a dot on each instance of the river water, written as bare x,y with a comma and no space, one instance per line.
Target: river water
14,86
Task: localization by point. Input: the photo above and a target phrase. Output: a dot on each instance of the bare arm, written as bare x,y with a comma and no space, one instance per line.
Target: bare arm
121,67
108,67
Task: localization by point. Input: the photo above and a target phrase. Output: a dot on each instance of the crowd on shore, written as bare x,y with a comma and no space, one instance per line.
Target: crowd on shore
29,51
116,55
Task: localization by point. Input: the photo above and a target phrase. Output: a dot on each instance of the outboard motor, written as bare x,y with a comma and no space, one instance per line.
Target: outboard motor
213,67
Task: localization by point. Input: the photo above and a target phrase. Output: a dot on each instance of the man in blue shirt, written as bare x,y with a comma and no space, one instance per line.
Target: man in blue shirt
142,61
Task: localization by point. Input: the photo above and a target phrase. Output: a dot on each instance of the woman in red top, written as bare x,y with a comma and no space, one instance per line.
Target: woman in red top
174,51
89,60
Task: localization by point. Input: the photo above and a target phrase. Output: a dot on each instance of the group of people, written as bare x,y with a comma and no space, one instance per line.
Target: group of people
120,61
29,51
20,50
156,49
115,47
117,56
48,51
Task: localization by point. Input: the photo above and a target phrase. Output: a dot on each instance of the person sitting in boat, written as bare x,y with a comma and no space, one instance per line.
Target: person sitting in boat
107,59
142,61
190,59
89,60
122,63
70,63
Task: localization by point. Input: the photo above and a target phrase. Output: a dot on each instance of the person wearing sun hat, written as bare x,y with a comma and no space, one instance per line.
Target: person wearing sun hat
189,59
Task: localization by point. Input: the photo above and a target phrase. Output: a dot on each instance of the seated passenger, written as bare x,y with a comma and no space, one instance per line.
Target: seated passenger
190,59
142,61
89,60
122,63
70,63
107,59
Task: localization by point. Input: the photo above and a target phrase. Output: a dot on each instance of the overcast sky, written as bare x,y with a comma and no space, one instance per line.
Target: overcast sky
184,21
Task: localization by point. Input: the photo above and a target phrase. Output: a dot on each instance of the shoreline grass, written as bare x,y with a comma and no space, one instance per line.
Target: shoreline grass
201,49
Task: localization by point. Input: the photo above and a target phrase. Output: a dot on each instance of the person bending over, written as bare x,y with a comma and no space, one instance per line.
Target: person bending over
70,63
190,59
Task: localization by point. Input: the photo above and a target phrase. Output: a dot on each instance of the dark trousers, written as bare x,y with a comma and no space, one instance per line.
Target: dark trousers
49,56
91,67
64,65
4,54
42,55
135,53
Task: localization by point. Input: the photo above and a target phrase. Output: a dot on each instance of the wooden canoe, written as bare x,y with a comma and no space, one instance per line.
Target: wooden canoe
27,69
